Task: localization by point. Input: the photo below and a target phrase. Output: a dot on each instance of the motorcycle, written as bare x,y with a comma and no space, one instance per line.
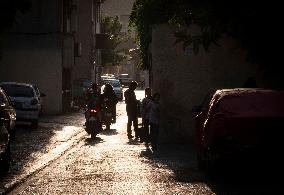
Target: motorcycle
93,121
108,117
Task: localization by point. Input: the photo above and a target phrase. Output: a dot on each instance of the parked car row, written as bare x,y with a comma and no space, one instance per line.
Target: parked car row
239,124
124,78
18,101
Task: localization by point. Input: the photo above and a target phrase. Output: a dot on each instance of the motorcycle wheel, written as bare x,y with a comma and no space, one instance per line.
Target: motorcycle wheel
107,127
93,135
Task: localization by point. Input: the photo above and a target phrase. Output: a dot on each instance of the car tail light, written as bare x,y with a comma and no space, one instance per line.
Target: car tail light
34,102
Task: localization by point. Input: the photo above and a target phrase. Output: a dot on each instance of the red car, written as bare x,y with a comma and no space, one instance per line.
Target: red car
240,122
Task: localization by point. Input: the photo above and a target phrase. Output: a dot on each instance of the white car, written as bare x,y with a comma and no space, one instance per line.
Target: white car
25,101
124,79
115,83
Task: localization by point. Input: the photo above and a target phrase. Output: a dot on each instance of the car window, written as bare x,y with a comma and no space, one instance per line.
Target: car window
18,90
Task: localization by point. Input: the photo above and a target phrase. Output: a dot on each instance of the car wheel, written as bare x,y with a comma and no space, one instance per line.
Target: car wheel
93,134
201,163
211,161
6,160
34,124
107,127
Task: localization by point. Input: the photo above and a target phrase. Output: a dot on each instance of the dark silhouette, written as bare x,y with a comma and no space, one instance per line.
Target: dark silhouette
110,100
131,109
154,120
145,116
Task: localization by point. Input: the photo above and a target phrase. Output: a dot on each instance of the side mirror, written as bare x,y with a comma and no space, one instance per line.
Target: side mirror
42,94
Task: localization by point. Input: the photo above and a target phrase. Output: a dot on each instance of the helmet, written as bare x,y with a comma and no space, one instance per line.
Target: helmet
133,84
108,88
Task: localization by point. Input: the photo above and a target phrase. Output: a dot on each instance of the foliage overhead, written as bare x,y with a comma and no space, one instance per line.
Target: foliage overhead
253,23
112,27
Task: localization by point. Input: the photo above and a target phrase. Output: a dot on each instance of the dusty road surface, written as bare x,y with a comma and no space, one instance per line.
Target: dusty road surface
61,158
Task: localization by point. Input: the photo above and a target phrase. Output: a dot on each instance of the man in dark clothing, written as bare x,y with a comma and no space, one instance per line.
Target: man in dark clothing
110,100
131,109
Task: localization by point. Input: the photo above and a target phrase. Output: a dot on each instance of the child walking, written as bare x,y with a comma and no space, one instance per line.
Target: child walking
154,120
145,116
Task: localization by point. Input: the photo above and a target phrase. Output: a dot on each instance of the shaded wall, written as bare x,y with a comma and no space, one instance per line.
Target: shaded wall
39,66
183,79
32,51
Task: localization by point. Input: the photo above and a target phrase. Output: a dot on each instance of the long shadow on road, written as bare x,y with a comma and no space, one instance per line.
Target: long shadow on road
180,159
109,132
226,179
93,141
234,178
30,145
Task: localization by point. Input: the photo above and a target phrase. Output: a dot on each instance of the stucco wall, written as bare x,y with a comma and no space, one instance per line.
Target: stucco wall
31,51
42,67
183,79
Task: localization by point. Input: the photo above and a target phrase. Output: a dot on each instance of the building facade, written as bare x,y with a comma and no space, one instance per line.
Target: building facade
51,45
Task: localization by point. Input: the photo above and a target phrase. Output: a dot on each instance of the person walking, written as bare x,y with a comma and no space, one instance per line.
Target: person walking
145,116
154,120
131,109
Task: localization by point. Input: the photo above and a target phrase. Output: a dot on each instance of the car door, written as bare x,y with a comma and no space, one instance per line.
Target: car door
9,112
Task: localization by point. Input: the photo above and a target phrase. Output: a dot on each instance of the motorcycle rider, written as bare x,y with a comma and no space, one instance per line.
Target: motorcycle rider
110,99
94,100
